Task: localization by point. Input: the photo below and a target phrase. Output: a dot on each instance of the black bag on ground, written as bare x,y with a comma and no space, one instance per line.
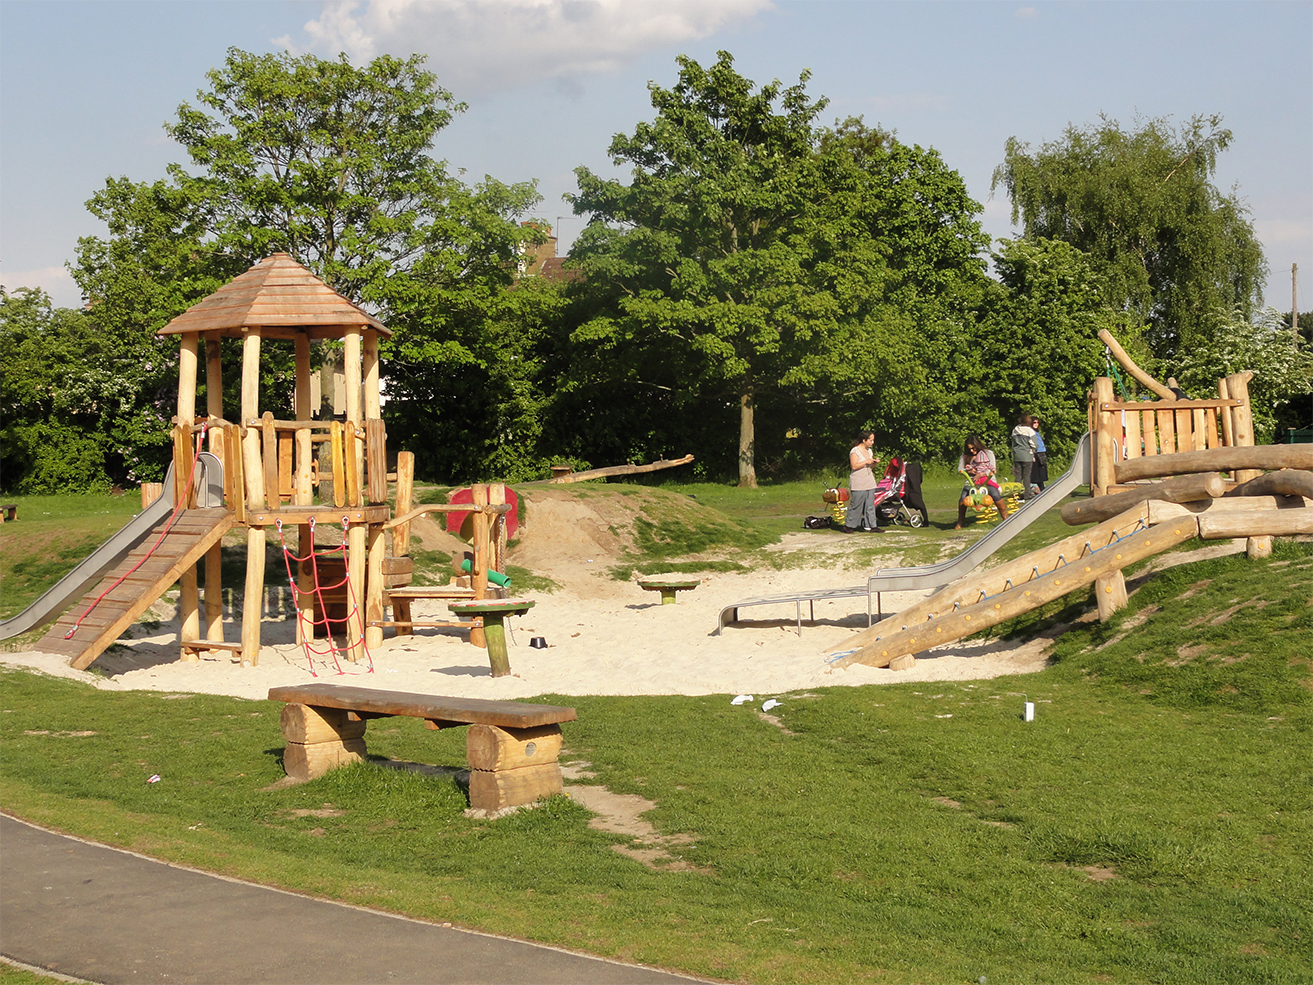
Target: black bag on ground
817,523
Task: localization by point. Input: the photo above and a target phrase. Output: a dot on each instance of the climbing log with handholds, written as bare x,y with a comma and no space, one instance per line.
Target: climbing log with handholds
1181,489
964,621
1257,523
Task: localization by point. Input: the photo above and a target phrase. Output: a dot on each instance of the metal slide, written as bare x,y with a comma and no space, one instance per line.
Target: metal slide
77,582
932,576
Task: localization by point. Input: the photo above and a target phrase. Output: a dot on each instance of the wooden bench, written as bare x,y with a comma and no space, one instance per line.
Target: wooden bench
8,512
512,747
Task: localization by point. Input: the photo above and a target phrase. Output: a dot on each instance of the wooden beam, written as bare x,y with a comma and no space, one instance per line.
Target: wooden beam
1182,489
1120,355
621,470
1256,523
1284,482
1232,458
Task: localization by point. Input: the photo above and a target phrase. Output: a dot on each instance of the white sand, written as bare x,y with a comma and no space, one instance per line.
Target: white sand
603,636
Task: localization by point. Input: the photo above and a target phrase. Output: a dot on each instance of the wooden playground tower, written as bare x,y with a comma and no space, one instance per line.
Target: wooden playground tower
271,470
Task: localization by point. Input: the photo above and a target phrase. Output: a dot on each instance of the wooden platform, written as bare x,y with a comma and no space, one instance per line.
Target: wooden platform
193,533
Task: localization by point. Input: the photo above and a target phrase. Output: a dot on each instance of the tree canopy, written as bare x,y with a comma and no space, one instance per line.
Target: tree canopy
1173,249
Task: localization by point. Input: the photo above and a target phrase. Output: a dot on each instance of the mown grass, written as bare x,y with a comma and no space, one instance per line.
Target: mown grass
1151,825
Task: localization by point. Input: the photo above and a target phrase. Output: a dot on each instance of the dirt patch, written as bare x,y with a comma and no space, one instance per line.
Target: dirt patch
621,813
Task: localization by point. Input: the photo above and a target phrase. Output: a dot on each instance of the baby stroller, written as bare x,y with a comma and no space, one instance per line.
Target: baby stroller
898,498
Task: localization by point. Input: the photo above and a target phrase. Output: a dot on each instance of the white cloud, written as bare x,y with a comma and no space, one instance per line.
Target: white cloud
478,46
55,281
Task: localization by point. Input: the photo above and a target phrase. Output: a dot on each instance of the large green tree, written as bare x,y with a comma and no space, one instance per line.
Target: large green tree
707,281
332,164
1172,248
759,265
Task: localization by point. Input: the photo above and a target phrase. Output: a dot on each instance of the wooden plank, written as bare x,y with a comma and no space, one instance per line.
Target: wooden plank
1157,405
405,500
376,461
1134,437
337,434
471,711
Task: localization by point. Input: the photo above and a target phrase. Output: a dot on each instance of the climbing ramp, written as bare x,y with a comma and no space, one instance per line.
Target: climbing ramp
175,543
988,598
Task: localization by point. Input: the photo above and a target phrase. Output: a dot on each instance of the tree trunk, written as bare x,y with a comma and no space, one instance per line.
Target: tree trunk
747,441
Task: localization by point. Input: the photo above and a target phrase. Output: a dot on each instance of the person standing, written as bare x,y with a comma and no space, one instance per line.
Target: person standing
1040,474
1023,454
861,486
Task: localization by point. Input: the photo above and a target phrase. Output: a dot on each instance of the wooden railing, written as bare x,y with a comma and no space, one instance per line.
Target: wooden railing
270,464
1126,429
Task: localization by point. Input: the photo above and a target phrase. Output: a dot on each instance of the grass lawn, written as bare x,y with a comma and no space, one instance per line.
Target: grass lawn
1151,825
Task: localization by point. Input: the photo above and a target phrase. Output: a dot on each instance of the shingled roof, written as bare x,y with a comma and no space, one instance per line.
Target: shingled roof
281,298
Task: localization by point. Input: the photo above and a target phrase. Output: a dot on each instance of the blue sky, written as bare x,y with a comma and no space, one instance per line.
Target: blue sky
86,87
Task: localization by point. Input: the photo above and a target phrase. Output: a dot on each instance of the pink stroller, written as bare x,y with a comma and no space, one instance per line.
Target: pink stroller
891,493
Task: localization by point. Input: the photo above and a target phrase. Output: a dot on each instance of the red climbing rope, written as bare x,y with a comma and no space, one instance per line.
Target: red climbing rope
321,603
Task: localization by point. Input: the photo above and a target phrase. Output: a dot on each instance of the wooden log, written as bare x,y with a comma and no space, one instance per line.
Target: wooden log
488,747
1120,355
214,593
1163,512
373,602
1181,489
1110,593
305,761
954,625
187,375
479,572
151,491
1228,459
980,585
1256,523
1257,548
1284,482
357,564
621,470
214,392
491,791
307,724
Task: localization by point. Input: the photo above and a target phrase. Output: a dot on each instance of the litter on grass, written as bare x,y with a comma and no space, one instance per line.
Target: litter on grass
742,699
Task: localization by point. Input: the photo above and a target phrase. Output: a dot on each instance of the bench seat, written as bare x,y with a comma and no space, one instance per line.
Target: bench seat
512,747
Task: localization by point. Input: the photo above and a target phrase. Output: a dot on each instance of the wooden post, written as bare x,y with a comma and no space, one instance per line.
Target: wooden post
214,392
250,376
405,502
304,493
479,563
357,561
374,585
219,448
1227,413
354,410
1238,386
1105,437
150,492
370,368
336,433
253,603
497,545
1110,591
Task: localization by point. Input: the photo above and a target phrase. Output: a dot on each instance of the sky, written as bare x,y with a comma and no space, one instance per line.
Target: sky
86,88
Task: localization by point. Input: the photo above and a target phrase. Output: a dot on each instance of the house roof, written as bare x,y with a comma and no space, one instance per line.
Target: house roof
281,299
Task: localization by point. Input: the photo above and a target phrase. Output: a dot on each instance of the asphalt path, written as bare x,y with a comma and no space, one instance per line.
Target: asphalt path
110,916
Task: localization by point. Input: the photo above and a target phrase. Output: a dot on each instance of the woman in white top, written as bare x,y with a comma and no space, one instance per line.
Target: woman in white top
861,486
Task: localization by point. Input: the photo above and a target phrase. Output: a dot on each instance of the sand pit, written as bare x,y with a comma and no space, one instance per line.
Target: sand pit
604,637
